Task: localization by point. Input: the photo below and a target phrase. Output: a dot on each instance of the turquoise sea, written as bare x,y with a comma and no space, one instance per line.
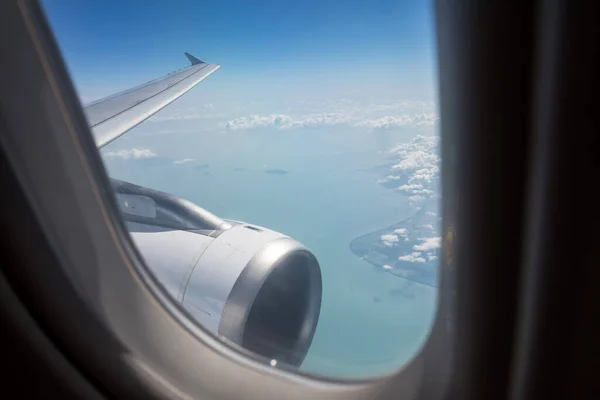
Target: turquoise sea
320,187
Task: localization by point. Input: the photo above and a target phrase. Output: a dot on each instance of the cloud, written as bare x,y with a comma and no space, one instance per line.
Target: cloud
389,240
389,122
416,169
429,244
184,161
351,118
403,233
415,189
417,198
426,174
432,257
416,160
387,267
410,188
413,258
281,121
389,178
420,143
134,153
304,114
256,121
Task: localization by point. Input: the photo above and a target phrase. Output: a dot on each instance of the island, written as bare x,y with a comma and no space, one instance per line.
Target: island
408,249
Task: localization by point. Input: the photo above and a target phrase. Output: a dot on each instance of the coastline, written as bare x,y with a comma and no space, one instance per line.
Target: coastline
369,247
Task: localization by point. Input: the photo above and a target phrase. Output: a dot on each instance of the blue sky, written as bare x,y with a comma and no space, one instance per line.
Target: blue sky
272,45
285,65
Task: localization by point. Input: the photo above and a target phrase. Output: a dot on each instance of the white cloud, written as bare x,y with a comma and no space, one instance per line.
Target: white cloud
302,114
419,142
426,174
282,121
387,267
432,257
414,189
389,240
256,121
411,187
389,178
429,244
134,153
402,232
353,117
184,161
417,198
413,258
389,122
418,161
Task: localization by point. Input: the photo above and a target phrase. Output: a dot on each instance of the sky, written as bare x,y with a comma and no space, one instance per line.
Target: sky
264,47
345,68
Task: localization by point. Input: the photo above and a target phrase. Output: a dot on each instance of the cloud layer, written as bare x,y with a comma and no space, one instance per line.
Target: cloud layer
343,112
403,233
134,153
184,161
283,121
412,258
389,240
428,244
416,170
389,122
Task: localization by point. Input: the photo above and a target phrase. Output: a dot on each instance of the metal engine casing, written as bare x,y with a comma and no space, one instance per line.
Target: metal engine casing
248,284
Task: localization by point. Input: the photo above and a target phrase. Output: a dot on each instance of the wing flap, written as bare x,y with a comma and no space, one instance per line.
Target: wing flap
112,116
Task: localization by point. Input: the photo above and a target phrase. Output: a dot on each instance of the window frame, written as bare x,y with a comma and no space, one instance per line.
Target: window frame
59,190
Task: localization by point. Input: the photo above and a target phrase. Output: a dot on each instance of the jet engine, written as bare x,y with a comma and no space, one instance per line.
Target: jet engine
251,285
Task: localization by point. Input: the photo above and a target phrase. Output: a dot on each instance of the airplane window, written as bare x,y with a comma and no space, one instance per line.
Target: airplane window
290,201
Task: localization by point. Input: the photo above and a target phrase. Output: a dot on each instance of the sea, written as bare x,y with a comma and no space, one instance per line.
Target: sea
319,186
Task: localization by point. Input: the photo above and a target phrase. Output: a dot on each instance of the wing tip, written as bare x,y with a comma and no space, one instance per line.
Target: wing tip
193,59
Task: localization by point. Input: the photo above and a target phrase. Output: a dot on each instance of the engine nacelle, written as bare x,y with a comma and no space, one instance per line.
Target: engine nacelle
251,285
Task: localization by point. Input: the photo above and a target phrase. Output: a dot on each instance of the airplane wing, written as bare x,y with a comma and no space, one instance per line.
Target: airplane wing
114,115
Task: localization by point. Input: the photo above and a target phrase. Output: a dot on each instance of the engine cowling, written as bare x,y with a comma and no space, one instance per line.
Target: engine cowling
251,285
